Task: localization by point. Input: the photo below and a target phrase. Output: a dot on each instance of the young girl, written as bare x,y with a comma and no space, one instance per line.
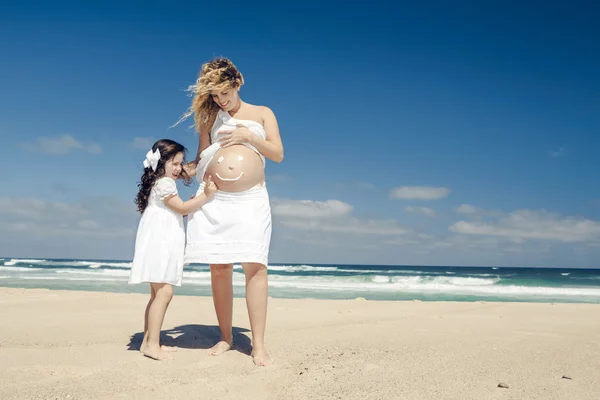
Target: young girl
160,240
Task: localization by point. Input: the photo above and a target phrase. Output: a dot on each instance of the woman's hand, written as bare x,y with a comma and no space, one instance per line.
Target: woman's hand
237,136
190,169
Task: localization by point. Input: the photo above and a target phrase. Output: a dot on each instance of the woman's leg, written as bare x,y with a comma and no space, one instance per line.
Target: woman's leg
257,293
156,316
221,276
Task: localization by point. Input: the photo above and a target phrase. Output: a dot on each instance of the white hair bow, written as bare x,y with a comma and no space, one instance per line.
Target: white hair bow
151,160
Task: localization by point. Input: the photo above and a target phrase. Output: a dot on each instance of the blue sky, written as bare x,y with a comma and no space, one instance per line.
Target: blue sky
431,134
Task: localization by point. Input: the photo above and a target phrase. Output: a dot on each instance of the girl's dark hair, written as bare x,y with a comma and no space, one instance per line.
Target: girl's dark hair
168,149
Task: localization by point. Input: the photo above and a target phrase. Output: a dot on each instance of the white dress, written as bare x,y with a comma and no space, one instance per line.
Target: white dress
160,240
233,226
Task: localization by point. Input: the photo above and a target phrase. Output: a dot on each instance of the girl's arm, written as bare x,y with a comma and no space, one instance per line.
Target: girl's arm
175,203
167,190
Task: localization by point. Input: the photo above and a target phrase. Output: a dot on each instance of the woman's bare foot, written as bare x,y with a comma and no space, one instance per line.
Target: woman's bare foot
261,358
220,348
170,349
155,353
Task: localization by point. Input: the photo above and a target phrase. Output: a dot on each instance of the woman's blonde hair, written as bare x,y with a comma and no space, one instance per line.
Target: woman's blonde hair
218,74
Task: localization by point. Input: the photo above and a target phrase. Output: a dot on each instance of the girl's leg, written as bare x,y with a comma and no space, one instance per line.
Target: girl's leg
221,276
152,296
156,316
257,293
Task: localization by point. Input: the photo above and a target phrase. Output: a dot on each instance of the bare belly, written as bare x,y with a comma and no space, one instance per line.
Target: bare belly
236,168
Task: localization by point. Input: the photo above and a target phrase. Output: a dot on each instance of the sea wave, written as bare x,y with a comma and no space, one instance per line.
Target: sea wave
305,279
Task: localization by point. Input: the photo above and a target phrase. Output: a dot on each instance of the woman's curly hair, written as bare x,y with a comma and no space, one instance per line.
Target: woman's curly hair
217,74
168,149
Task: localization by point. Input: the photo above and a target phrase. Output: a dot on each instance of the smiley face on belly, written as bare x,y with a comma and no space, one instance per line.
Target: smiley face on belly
236,168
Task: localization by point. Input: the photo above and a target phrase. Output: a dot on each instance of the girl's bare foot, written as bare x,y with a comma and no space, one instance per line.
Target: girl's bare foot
156,353
168,349
220,348
261,358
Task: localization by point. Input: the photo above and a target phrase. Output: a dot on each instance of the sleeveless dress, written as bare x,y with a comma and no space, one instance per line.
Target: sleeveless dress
232,227
160,240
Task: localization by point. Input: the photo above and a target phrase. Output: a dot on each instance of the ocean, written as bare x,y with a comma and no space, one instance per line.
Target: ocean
372,282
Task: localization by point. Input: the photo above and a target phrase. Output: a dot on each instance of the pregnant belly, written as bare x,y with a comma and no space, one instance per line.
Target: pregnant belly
236,168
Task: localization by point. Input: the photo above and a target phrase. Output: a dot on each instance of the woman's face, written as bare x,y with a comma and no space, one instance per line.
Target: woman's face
227,98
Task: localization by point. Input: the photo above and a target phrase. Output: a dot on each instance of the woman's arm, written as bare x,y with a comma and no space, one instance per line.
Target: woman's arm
271,147
203,143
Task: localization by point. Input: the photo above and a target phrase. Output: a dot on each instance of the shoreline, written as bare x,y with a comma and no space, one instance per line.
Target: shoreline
239,293
241,297
62,343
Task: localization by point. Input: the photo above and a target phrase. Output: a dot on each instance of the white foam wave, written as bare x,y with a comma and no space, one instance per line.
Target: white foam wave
92,273
18,269
384,281
14,261
296,268
70,278
415,284
78,263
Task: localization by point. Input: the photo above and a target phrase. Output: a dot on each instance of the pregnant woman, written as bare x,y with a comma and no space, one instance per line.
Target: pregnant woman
235,225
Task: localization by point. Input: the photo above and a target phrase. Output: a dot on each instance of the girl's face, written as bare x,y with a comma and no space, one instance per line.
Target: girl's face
173,166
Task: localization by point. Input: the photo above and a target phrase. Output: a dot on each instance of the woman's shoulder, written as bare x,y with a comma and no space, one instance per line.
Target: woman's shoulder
262,111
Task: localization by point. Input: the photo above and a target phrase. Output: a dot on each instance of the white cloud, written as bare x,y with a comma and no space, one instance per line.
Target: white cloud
475,212
332,216
55,221
466,209
426,211
348,225
60,145
310,208
529,224
279,178
355,185
365,185
558,153
143,143
87,224
419,192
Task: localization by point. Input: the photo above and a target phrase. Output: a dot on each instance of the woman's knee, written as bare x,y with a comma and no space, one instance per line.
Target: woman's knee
218,271
252,270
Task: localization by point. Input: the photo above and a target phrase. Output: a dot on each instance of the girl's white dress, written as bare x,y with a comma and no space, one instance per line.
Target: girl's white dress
160,240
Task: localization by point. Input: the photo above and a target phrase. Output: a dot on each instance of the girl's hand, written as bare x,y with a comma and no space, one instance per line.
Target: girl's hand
209,187
238,136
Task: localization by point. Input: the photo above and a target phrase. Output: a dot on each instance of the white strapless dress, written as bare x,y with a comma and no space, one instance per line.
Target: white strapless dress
232,227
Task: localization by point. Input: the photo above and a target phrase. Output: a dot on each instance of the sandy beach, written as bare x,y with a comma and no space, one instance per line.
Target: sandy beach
83,345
